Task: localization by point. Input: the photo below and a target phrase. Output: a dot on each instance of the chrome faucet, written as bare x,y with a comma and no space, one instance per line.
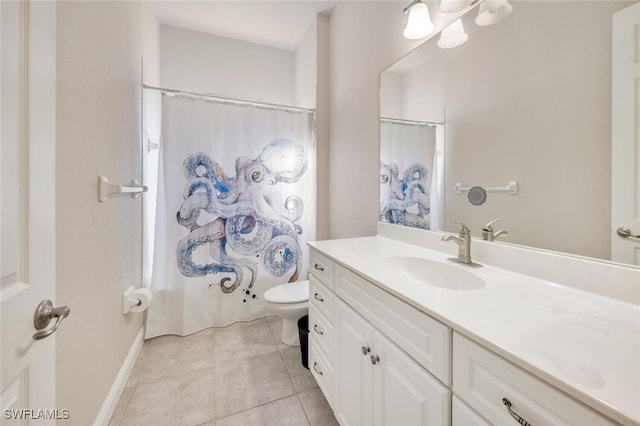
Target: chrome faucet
463,240
488,234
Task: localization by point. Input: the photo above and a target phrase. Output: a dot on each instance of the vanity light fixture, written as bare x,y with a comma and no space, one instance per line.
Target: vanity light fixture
419,23
493,11
453,6
453,35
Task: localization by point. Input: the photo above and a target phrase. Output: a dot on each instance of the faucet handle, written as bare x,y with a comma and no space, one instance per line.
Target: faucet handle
463,228
488,226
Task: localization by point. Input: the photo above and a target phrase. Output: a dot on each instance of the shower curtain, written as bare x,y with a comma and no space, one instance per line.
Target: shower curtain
411,174
235,209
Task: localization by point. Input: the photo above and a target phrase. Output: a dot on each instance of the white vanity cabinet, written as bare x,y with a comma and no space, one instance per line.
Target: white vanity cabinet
492,357
381,361
484,380
376,383
371,353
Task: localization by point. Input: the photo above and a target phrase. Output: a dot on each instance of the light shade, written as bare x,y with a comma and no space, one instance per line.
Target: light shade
493,11
453,6
453,35
419,23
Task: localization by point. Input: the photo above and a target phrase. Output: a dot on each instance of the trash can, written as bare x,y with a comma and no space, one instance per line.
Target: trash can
303,332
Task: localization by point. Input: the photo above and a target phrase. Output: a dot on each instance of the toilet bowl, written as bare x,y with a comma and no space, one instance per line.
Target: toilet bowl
290,302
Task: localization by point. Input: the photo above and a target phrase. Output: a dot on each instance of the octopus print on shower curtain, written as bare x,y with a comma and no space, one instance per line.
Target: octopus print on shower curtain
404,200
242,215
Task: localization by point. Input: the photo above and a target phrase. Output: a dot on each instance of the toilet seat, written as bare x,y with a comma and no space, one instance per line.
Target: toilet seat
288,293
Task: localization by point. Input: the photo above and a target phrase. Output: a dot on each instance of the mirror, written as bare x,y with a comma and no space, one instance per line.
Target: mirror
526,100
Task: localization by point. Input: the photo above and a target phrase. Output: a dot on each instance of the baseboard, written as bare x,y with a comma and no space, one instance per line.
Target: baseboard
110,403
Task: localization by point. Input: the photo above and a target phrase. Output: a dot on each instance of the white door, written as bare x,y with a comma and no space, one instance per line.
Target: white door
352,377
625,194
404,393
27,207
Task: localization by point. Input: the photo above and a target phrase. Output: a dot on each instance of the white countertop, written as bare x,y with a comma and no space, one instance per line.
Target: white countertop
585,344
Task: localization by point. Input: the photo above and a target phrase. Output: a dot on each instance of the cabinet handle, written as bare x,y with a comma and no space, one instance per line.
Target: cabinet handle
315,328
376,359
515,415
318,297
315,368
365,350
318,267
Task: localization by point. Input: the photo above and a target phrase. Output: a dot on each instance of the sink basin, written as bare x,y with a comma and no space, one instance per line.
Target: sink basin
429,272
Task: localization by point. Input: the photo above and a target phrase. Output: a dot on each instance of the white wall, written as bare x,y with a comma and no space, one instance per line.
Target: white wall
322,126
204,63
312,91
305,69
99,47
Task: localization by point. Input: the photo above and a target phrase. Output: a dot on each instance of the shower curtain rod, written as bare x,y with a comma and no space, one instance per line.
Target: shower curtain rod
409,122
233,101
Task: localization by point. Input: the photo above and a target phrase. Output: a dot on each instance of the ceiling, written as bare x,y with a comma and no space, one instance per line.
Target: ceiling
280,24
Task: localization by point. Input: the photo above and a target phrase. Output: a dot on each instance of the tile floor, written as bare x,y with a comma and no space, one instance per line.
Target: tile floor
238,375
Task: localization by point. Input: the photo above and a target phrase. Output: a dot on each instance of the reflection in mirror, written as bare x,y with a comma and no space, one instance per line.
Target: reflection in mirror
411,178
528,99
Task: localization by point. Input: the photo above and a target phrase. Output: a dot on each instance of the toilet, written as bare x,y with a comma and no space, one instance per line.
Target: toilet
290,302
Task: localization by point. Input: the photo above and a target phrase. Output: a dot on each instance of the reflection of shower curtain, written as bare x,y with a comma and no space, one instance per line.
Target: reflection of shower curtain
411,171
235,210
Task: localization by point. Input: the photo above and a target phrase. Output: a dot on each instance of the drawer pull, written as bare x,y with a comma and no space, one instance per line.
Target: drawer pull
376,359
365,350
515,415
318,297
315,368
318,267
317,330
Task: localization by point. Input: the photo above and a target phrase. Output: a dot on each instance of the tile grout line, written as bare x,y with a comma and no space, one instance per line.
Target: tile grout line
296,392
258,406
304,410
277,349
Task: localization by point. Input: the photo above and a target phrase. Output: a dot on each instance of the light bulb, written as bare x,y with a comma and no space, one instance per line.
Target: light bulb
419,23
493,11
453,35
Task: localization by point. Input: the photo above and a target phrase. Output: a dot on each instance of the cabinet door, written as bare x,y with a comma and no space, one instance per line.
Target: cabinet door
462,415
404,393
352,379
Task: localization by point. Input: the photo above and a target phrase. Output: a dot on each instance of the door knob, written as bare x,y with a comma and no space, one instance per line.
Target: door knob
626,233
45,312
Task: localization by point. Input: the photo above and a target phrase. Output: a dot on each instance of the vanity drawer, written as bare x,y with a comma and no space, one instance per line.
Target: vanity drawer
321,369
322,268
322,329
321,297
483,379
423,338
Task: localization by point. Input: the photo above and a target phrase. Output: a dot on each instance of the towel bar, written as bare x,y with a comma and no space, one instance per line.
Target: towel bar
106,188
511,188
